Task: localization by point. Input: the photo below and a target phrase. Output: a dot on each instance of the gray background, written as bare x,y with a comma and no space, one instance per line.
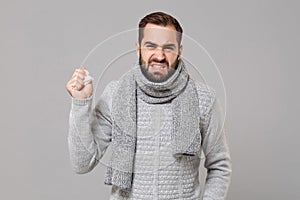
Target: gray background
254,43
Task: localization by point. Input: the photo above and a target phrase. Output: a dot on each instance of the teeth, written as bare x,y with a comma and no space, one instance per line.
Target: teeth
156,66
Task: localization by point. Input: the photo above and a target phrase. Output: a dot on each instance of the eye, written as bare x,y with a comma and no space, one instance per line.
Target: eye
169,48
150,46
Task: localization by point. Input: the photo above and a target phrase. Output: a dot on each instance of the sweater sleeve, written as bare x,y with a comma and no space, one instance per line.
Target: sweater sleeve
217,155
89,130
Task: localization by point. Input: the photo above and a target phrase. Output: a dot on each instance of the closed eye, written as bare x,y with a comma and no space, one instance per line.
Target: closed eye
150,46
169,47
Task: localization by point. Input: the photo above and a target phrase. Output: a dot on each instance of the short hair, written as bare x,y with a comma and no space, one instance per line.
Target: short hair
162,19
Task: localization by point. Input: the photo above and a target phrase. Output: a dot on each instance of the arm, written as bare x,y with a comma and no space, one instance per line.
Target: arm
218,161
89,131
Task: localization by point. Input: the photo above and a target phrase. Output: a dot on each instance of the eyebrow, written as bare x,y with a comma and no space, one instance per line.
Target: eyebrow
165,45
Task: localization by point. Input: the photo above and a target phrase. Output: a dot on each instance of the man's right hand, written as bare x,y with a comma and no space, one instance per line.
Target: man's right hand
76,87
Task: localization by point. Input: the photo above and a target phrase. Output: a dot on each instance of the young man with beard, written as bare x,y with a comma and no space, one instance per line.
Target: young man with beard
156,119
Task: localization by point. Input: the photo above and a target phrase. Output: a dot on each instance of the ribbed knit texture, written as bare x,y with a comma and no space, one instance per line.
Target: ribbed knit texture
185,133
158,174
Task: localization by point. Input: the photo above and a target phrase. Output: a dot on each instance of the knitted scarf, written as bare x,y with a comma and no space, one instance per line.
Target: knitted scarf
180,90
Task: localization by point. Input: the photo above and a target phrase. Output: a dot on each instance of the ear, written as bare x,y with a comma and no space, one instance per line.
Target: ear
180,51
137,49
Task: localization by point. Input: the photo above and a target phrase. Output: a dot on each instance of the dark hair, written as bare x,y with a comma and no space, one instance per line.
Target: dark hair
160,18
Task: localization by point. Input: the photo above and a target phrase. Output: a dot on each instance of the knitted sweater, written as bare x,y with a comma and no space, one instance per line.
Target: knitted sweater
157,174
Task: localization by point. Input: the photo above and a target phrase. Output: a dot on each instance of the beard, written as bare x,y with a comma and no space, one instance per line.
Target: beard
156,76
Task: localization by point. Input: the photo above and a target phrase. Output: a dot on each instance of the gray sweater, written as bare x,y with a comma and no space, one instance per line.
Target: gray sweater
157,174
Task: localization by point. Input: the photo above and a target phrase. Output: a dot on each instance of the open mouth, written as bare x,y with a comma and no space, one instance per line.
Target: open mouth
158,68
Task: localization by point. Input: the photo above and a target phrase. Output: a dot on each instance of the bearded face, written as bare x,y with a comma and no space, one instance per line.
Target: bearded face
159,52
157,70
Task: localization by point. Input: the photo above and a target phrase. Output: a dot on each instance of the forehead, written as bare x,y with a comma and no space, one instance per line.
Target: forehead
160,34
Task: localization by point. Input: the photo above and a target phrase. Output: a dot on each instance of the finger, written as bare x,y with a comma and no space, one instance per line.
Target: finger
76,83
69,87
78,86
83,67
80,70
79,76
72,83
79,80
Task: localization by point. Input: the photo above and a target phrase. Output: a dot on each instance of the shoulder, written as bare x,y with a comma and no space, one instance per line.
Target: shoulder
105,100
111,87
206,95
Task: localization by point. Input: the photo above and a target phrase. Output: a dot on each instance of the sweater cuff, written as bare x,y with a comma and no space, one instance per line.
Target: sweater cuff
82,102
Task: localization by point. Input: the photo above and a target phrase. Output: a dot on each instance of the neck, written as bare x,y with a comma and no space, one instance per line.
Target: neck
165,90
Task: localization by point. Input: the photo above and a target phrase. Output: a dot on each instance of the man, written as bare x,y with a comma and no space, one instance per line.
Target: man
156,119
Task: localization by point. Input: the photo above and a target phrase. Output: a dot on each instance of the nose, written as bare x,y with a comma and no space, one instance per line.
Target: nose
159,54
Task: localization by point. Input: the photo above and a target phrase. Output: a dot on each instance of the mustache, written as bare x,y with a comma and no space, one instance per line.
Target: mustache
163,61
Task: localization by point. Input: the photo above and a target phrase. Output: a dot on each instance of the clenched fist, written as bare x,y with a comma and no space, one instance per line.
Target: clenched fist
77,86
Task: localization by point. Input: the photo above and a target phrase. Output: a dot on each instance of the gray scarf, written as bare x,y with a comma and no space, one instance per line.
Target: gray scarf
180,90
